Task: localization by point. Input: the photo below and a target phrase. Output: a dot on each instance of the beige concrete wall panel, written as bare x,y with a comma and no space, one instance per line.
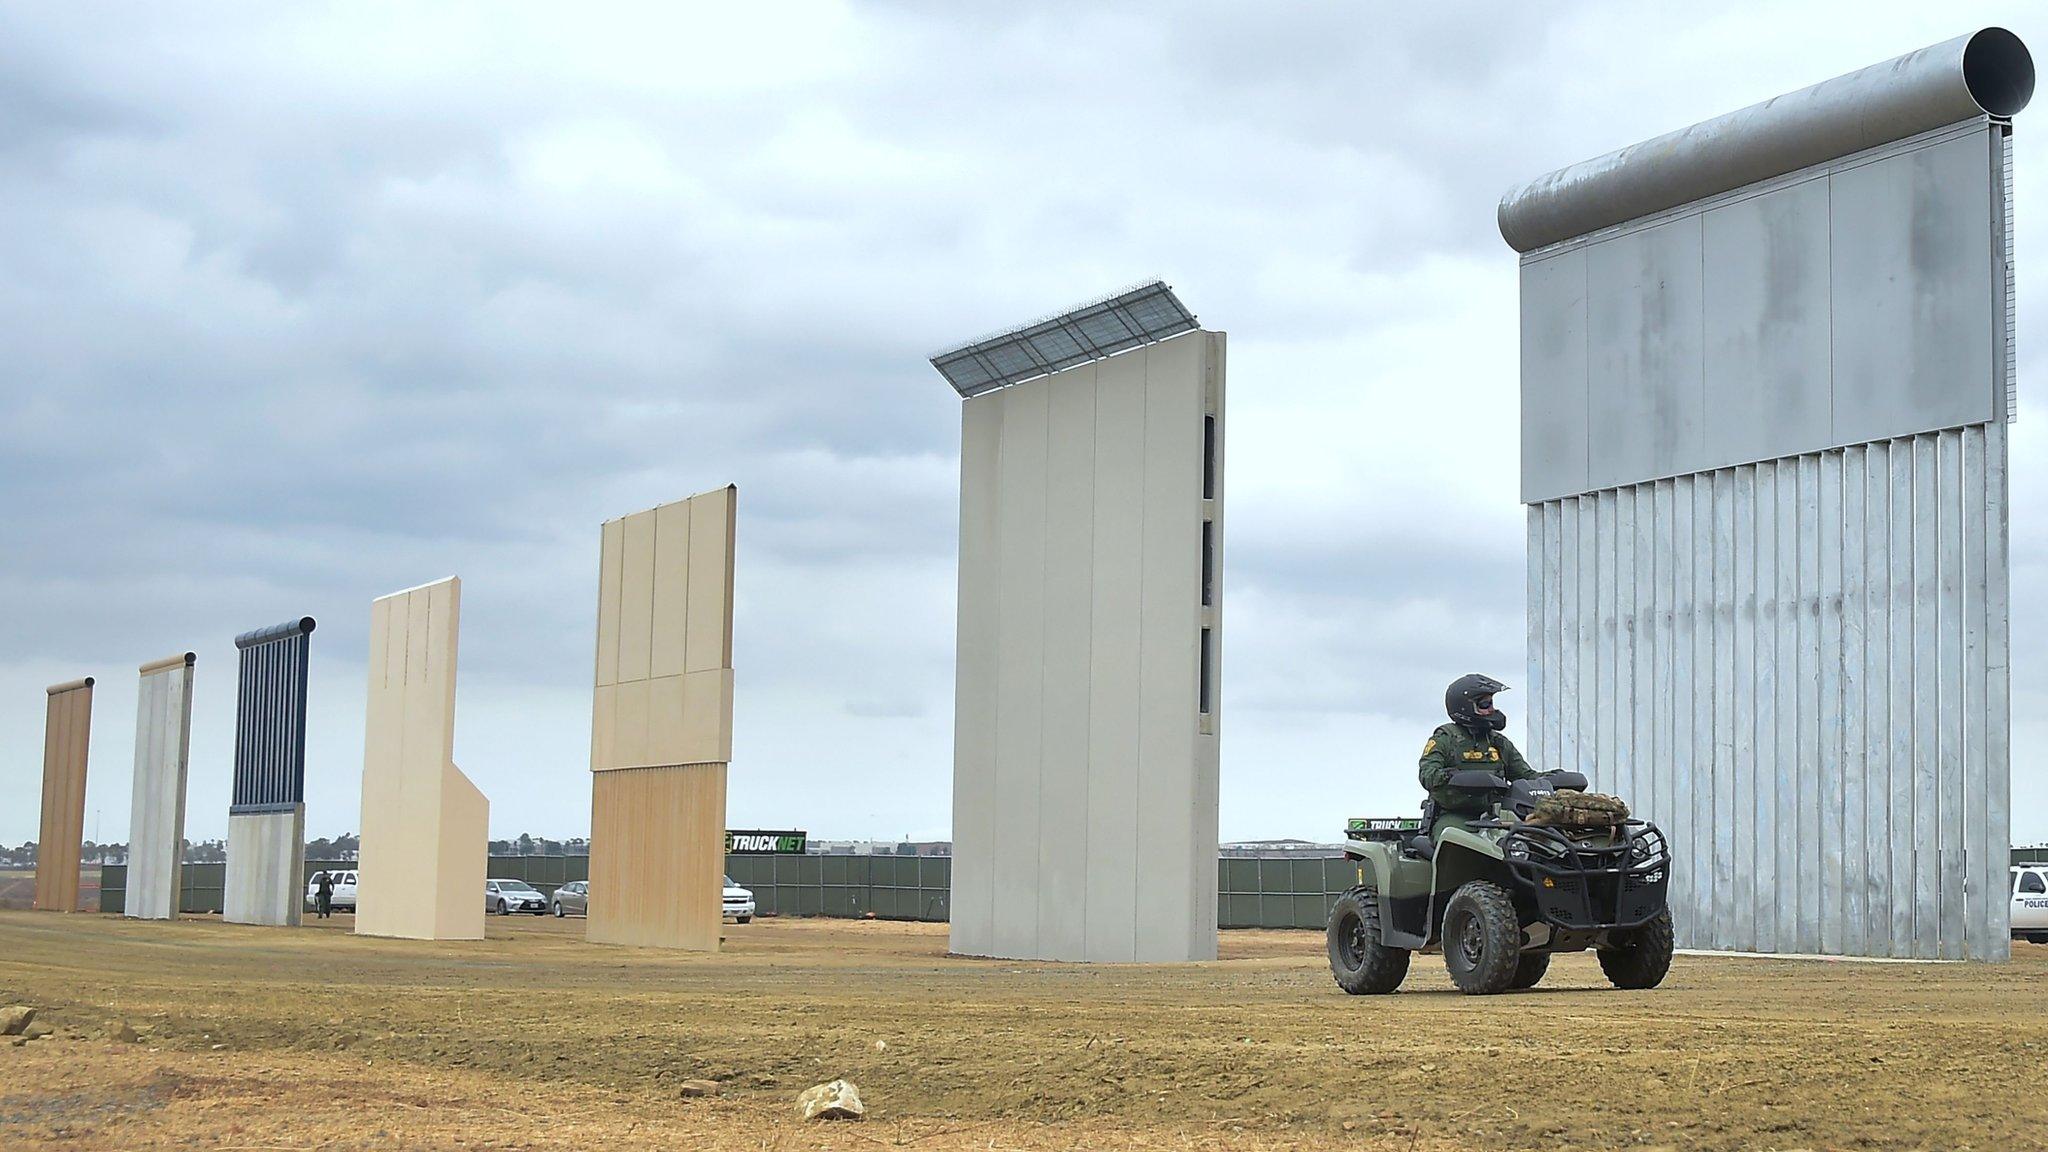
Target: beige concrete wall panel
1113,674
707,718
634,704
67,732
669,625
1020,640
661,726
1208,742
657,856
463,859
604,727
1063,724
975,683
668,699
156,822
636,598
610,571
424,825
1085,771
1169,639
709,637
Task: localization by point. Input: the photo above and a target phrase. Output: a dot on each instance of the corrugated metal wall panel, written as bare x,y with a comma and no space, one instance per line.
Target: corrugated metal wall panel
1798,669
270,718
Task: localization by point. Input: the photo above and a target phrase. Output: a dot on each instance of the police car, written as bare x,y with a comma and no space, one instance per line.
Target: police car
2030,902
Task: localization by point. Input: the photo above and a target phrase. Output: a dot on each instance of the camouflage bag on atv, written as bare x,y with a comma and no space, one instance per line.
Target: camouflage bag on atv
1563,809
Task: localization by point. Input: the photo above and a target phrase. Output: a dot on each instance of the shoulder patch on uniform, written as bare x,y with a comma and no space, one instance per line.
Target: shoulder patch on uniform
1429,747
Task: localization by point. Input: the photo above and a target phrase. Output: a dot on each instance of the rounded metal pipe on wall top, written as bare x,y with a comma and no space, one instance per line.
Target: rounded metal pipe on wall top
1989,72
299,627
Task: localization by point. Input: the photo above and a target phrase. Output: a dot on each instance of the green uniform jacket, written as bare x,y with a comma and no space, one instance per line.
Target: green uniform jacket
1452,749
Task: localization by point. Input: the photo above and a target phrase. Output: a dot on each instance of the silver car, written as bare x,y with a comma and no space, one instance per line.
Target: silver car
508,896
573,899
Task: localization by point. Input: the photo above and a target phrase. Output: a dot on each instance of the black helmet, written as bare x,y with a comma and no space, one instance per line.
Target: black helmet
1461,701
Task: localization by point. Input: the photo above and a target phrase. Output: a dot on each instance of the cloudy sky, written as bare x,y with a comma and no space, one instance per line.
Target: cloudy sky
302,305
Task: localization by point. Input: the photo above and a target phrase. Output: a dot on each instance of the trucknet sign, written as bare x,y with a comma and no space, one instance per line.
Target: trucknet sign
754,842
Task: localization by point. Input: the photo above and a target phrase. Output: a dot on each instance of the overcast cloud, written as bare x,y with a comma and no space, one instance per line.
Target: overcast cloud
303,305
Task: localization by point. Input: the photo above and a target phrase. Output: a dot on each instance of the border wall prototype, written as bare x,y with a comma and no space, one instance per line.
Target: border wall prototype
267,810
67,735
426,828
1087,697
1766,373
661,724
156,821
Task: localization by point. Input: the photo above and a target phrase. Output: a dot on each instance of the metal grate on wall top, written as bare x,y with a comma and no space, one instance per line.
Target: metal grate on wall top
1117,323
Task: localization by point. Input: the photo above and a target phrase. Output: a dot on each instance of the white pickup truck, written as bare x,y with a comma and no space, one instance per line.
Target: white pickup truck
2030,902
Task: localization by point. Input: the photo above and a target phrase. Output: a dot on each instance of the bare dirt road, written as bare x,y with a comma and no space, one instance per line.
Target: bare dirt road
314,1039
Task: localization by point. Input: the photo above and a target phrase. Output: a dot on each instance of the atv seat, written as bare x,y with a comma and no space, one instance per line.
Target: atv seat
1420,846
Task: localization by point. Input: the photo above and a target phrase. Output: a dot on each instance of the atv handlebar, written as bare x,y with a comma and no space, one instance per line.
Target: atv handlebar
1478,778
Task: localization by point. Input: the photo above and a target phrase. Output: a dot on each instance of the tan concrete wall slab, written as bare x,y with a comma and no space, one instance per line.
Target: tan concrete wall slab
67,732
661,723
663,691
425,827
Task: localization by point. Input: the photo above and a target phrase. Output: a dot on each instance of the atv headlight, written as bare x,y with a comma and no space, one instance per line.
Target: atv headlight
1640,848
1517,849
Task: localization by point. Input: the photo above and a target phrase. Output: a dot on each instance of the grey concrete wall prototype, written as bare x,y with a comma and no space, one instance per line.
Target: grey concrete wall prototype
268,801
266,870
1764,453
1085,758
156,822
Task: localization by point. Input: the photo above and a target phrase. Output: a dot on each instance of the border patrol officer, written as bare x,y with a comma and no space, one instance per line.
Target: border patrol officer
1471,740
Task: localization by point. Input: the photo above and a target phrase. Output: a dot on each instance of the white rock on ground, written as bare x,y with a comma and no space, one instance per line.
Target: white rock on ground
15,1018
838,1100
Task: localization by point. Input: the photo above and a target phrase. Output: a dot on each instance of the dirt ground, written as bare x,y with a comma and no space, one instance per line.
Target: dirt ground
314,1039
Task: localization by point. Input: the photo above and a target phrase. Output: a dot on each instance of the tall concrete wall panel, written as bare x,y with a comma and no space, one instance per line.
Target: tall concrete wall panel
425,827
156,822
67,736
1085,756
661,724
1764,439
264,884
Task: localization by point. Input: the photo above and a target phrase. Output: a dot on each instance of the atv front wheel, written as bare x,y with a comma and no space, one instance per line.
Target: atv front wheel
1639,957
1361,963
1530,969
1482,938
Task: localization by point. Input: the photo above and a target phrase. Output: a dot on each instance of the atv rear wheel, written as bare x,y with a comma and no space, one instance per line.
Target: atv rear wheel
1361,963
1482,938
1639,957
1529,969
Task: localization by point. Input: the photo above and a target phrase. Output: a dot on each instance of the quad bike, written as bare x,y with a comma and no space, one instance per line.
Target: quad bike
1504,895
